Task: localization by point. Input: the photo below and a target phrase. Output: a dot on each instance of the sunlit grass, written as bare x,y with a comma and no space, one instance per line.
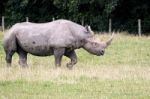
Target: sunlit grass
122,73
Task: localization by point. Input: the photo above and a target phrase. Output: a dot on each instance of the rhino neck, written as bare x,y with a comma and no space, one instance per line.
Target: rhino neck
88,47
78,44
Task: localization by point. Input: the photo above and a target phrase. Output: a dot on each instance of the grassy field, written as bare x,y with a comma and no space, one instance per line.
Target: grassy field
122,73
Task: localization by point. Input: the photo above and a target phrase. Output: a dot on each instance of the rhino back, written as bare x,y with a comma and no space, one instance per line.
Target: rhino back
40,38
77,30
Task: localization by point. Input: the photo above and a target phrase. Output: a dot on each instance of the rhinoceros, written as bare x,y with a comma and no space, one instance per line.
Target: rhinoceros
58,38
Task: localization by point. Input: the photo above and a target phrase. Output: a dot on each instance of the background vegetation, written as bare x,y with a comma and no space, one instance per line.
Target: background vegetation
122,73
124,13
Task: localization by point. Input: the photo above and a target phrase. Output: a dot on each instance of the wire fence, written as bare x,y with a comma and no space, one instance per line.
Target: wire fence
138,26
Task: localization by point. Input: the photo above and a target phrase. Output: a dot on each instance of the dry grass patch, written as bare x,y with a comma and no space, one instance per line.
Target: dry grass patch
122,73
63,75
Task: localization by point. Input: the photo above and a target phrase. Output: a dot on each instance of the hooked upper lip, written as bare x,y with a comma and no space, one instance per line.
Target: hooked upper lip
101,52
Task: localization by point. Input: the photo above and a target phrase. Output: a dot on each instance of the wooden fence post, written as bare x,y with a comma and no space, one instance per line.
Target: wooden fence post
27,19
3,24
139,27
110,25
82,21
53,19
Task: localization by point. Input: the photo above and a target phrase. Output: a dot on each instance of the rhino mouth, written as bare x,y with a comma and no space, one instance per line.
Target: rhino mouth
100,54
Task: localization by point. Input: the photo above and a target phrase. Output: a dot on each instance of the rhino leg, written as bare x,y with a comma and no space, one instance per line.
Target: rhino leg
72,55
8,58
22,57
58,53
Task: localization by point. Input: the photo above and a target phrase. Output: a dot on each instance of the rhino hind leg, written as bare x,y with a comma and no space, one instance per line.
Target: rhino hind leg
22,57
72,55
58,53
9,55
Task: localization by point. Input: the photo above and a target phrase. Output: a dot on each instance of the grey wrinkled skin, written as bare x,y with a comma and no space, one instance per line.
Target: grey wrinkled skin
58,38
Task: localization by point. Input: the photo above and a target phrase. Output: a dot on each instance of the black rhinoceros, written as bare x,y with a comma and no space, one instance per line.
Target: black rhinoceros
58,38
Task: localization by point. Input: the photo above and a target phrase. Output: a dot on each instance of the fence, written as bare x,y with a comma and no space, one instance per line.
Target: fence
139,25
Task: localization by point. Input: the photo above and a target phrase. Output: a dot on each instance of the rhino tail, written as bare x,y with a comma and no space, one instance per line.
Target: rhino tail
9,41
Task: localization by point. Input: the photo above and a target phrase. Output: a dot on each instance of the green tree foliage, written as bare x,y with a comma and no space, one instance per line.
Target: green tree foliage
124,13
128,11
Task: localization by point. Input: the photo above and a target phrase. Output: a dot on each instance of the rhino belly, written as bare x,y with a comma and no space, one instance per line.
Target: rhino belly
37,45
39,50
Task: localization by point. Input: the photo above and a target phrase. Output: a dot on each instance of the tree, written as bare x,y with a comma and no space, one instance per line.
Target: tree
124,13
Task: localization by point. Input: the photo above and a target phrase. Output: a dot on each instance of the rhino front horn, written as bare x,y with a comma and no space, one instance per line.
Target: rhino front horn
110,40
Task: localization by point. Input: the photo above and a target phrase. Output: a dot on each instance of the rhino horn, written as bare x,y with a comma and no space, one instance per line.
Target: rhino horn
110,40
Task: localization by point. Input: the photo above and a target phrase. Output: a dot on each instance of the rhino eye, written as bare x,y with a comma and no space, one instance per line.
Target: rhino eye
95,44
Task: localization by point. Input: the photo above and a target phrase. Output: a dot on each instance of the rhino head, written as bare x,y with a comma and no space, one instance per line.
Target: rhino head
94,46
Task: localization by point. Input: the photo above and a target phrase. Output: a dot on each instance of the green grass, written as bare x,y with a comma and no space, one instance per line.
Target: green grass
122,73
96,89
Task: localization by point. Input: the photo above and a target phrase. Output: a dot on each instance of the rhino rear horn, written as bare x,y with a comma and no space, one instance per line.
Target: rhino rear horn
110,40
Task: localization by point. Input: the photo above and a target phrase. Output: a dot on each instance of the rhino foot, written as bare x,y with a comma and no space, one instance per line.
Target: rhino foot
23,64
8,65
69,66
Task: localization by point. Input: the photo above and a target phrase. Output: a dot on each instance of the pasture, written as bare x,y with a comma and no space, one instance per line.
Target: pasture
122,73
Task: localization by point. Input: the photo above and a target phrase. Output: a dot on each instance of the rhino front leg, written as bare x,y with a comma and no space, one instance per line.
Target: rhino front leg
58,53
72,55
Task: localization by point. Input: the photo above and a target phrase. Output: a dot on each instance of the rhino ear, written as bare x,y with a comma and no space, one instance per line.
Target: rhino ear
88,28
